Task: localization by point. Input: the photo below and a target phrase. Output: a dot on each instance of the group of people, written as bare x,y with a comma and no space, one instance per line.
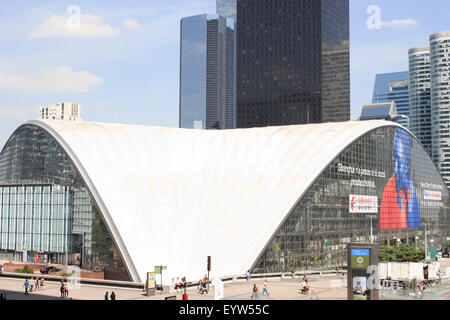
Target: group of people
34,285
112,296
256,289
305,287
202,285
179,284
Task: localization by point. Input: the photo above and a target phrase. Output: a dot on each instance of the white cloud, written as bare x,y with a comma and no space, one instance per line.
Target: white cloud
59,79
89,26
131,24
406,23
19,112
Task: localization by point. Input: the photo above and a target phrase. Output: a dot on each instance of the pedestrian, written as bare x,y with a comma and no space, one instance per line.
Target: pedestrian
31,284
26,285
37,287
113,296
42,283
265,288
3,295
293,272
61,289
248,276
255,290
1,270
66,291
421,290
106,295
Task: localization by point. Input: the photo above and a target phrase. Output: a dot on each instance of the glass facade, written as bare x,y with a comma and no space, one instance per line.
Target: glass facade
207,72
419,95
393,87
381,188
46,213
440,102
292,62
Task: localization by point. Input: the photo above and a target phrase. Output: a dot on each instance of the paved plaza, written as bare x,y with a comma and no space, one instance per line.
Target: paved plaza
323,287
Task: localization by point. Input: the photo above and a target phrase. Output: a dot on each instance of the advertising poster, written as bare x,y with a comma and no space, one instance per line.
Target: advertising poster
360,288
400,205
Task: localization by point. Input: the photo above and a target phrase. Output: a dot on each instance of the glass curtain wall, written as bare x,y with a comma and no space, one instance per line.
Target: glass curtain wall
46,213
384,185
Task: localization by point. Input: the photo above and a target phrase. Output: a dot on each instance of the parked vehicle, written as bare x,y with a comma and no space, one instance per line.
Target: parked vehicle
49,269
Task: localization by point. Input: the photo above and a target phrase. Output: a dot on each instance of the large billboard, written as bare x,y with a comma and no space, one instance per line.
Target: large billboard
399,205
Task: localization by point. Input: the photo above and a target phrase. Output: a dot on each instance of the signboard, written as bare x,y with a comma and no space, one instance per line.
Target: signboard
432,195
360,258
151,280
158,269
363,204
362,272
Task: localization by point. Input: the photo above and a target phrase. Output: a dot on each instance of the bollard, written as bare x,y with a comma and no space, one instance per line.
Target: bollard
185,296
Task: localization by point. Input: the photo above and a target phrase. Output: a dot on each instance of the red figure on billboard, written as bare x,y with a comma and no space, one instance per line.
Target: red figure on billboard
399,205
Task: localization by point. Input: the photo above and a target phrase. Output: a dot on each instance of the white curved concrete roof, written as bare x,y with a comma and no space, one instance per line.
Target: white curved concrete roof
173,196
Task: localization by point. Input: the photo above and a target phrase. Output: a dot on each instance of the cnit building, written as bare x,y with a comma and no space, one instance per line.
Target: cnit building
120,199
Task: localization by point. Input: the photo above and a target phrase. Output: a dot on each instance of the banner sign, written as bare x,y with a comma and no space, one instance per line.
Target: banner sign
432,195
360,258
363,204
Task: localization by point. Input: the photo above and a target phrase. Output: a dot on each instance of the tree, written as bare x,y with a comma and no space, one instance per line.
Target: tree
402,253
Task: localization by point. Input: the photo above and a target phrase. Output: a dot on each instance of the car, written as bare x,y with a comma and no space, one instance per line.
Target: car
49,269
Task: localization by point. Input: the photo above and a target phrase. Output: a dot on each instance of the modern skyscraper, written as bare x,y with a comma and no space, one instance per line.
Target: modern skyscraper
440,102
393,87
61,111
419,95
207,73
292,62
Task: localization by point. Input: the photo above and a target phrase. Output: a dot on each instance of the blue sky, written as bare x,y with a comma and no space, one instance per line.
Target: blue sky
122,64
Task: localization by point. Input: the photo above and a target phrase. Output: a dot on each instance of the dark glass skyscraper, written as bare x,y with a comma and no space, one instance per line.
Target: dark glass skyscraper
292,62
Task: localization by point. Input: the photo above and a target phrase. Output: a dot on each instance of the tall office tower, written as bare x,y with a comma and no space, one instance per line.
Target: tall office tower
226,8
292,62
440,102
61,111
419,95
393,87
207,72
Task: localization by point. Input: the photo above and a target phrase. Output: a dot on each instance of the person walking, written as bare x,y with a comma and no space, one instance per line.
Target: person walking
66,291
248,275
1,270
26,285
293,272
42,283
265,288
255,291
37,286
61,289
3,296
31,284
113,296
106,296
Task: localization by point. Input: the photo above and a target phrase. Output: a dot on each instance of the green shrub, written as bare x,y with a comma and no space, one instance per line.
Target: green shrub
26,269
65,273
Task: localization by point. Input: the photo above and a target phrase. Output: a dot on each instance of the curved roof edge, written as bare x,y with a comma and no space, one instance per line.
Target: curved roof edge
129,266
